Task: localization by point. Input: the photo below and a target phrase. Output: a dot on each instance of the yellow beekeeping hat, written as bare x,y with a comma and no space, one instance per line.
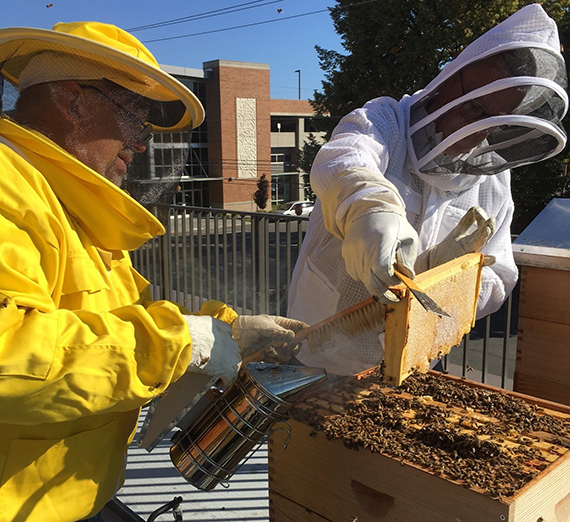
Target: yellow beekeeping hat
94,50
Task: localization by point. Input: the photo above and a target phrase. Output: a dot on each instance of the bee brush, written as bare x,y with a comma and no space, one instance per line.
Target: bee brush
355,320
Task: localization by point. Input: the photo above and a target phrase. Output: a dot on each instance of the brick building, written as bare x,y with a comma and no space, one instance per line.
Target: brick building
245,134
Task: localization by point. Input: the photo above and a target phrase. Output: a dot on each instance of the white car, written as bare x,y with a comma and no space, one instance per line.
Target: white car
295,208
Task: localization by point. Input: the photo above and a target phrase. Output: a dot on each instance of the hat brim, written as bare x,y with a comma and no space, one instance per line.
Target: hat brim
19,44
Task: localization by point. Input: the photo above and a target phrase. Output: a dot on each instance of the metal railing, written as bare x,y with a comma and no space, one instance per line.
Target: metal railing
243,259
246,260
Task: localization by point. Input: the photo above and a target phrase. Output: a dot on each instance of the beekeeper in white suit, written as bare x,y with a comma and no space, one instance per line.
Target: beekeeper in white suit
417,182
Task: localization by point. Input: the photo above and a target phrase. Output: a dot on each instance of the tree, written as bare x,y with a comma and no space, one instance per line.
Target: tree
533,186
261,195
396,47
305,160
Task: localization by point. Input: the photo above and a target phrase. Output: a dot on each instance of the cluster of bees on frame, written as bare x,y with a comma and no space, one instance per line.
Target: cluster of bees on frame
477,437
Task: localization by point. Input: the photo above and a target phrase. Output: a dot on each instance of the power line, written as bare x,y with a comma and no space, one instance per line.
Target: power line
280,19
207,14
235,27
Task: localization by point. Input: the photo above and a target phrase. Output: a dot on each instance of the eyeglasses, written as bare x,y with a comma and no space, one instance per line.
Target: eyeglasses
471,110
146,129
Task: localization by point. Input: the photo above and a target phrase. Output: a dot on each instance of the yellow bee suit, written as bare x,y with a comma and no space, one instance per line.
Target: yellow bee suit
80,350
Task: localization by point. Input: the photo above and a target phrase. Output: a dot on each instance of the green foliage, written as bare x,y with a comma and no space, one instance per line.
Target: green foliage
533,186
261,195
396,47
305,159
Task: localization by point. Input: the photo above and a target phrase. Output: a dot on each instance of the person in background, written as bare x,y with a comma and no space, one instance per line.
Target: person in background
82,345
418,182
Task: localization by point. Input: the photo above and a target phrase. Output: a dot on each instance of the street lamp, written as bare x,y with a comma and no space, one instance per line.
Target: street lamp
299,71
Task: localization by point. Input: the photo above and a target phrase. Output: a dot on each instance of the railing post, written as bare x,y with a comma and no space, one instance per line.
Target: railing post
260,260
165,255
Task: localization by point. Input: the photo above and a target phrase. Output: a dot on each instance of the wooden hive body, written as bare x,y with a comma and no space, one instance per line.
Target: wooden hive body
543,357
413,337
317,479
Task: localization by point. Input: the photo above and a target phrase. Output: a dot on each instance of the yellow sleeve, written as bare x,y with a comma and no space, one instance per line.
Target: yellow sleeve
59,364
218,310
213,308
65,364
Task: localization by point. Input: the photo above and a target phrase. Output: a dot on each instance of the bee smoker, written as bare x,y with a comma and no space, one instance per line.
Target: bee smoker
227,424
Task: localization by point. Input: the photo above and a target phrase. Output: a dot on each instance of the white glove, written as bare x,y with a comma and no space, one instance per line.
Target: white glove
460,241
218,348
266,337
214,351
375,243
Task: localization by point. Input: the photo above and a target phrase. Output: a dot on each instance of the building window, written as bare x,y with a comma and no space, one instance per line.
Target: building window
316,124
281,162
280,189
197,164
283,125
193,193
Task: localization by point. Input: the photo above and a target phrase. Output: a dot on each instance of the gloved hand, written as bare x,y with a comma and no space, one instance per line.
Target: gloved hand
214,351
459,241
375,243
218,348
266,337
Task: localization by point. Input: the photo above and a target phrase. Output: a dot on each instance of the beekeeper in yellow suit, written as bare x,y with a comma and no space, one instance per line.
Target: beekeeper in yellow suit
81,349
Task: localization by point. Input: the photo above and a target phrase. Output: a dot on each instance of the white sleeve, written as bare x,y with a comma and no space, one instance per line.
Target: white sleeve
355,143
499,279
348,174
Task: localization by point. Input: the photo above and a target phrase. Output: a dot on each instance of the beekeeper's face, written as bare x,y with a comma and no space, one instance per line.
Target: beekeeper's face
111,129
464,81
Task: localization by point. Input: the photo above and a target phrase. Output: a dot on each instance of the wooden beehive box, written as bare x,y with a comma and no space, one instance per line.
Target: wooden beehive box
543,358
543,354
358,454
413,336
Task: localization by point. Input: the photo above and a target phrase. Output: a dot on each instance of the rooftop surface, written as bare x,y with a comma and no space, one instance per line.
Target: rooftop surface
152,481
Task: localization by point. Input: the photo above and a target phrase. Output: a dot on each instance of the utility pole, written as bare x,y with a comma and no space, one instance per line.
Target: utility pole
299,72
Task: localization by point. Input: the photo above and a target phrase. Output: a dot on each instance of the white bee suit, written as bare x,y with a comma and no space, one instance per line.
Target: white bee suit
388,153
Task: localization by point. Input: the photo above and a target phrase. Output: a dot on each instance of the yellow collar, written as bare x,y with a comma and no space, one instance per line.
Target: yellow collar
112,219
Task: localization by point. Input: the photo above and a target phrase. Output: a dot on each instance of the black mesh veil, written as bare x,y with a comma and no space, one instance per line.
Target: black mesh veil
496,113
112,134
154,176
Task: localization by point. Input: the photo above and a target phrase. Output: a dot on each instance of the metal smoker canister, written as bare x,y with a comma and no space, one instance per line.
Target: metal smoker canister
234,421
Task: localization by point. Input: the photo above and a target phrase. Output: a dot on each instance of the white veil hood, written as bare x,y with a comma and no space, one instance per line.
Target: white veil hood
494,134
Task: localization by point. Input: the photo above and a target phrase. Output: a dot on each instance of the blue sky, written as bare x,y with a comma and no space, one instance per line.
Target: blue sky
286,44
